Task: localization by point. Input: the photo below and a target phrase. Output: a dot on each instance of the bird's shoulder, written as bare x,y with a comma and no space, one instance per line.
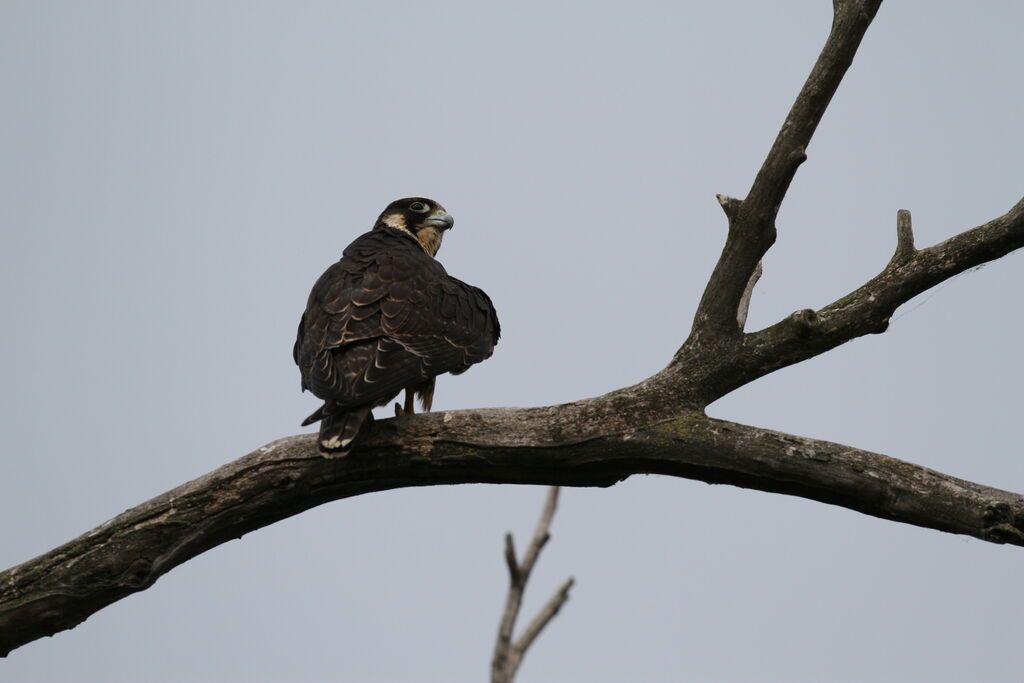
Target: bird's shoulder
374,262
381,240
385,284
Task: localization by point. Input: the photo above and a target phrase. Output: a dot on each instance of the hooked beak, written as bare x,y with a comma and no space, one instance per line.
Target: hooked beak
441,222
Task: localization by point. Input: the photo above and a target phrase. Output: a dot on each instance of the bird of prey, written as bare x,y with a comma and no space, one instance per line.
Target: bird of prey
388,317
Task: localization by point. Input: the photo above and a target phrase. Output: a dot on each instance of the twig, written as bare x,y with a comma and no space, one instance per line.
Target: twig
530,633
904,239
508,655
741,314
730,205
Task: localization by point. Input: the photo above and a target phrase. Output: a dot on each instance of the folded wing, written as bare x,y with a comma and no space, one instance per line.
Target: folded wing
387,317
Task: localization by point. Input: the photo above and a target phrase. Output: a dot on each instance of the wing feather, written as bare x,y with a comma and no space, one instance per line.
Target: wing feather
387,317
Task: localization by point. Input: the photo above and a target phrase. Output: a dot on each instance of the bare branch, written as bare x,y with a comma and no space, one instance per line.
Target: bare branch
867,309
507,657
503,644
510,558
60,589
850,22
701,374
540,534
543,618
752,220
904,239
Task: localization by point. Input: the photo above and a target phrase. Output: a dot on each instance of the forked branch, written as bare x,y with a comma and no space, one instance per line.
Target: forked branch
868,309
508,655
752,220
700,375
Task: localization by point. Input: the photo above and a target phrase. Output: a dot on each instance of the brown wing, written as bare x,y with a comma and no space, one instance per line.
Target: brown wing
387,317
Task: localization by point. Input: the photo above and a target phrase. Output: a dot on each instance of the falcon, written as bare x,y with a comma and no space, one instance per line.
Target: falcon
387,317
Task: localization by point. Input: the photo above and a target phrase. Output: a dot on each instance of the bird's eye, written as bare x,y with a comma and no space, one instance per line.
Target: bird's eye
418,207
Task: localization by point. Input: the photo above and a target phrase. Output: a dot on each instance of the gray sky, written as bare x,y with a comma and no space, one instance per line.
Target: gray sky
175,176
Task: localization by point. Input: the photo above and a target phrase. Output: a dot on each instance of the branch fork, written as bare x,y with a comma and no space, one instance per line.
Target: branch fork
508,654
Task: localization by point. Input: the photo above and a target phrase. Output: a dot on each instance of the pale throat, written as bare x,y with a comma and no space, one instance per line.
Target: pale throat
429,238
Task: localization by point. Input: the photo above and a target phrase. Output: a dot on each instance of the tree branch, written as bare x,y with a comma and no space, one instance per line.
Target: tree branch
508,656
867,309
904,239
752,220
543,618
700,375
60,589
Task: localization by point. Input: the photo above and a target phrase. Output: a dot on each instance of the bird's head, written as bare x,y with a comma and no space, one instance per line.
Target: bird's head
424,219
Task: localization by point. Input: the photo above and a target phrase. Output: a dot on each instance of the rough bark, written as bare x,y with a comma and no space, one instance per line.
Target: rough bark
656,426
127,554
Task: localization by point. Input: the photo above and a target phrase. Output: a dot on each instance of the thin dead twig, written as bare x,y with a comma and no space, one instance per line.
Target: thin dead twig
508,654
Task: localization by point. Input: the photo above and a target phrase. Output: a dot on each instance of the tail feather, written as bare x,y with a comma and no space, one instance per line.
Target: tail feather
337,431
315,417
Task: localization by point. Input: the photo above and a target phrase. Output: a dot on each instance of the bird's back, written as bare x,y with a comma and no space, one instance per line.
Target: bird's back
386,316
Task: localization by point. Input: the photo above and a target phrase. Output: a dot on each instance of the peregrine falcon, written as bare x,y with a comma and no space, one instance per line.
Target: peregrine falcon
388,317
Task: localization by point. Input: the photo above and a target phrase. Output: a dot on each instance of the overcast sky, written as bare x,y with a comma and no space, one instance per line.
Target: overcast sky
175,176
